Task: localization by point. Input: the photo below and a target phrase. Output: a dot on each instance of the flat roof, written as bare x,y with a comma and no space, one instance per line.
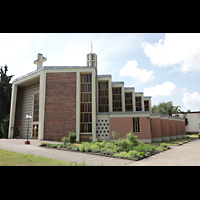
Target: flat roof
187,112
51,67
104,75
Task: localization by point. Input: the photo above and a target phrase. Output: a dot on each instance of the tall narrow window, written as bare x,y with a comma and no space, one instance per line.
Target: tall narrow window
138,103
117,99
136,125
128,101
86,103
146,105
103,96
36,108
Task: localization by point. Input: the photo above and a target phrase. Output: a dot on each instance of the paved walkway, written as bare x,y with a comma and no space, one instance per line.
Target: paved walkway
184,155
187,154
17,145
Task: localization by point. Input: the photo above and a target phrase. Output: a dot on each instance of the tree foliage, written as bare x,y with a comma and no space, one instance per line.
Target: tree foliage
5,98
165,108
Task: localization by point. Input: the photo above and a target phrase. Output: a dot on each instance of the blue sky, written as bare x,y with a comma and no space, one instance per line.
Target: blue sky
164,66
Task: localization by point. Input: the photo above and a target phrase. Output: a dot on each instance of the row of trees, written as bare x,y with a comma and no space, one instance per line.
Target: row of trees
5,98
165,108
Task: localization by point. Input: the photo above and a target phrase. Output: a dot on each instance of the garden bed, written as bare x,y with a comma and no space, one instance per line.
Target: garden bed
126,148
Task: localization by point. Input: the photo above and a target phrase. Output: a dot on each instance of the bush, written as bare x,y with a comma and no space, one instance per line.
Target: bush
75,147
131,153
4,126
72,137
164,146
140,154
108,152
127,144
133,139
144,148
124,144
65,140
96,150
42,144
122,154
88,148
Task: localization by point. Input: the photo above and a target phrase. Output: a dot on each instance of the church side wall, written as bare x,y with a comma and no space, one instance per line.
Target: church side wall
60,105
124,125
27,109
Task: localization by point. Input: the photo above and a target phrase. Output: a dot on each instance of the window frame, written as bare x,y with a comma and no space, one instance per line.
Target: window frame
85,102
103,97
117,99
138,125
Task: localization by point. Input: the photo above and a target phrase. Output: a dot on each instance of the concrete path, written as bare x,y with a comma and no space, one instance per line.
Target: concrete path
185,155
17,145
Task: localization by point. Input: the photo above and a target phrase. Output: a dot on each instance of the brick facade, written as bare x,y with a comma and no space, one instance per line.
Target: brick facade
60,105
124,125
85,137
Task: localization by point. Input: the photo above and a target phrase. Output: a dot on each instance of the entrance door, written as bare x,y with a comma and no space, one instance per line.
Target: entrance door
35,131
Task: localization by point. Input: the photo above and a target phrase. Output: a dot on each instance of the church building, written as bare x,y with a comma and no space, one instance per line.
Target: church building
63,99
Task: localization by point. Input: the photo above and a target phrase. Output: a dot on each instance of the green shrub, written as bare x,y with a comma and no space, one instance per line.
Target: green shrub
55,145
88,148
140,154
75,147
69,147
102,144
132,138
131,153
85,146
42,144
164,146
108,151
144,148
4,125
127,144
65,140
96,150
157,149
124,144
72,137
122,154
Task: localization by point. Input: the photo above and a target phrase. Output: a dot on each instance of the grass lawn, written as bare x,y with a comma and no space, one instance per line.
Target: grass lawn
9,158
178,141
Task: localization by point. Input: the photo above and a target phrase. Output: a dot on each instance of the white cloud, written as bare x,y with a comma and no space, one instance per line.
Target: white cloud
191,101
166,89
176,49
131,69
19,51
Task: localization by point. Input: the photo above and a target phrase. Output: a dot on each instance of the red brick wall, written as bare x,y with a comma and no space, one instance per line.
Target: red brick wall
172,127
183,130
124,125
60,105
85,137
156,128
121,125
165,128
178,128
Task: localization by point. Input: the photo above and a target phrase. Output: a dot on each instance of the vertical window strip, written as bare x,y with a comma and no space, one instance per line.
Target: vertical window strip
86,103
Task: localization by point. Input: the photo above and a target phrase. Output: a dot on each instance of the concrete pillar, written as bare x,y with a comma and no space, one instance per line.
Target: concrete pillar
12,110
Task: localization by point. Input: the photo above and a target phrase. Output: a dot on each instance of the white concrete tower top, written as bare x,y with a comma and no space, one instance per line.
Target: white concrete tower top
40,60
92,58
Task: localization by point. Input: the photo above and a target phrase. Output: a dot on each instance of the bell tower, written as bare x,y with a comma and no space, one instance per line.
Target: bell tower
92,58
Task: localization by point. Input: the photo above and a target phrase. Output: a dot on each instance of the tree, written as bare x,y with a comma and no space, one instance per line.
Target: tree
165,108
5,98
